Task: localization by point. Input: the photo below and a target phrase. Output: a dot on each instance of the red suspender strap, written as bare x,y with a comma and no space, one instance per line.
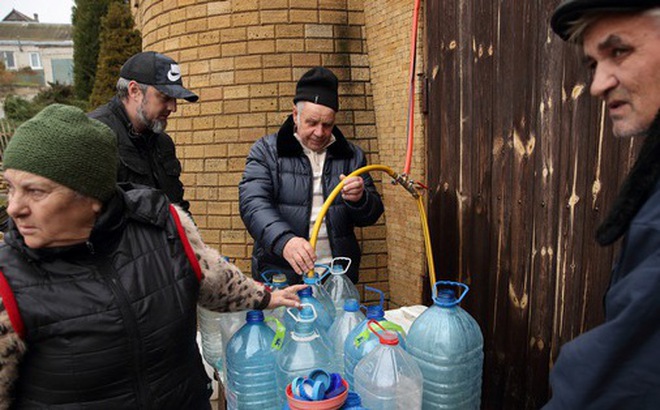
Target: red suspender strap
186,244
10,305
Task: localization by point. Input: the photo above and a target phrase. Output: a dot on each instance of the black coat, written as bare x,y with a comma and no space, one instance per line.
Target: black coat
118,326
145,159
276,199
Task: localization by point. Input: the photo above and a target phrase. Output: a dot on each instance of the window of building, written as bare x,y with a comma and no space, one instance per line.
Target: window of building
35,61
8,59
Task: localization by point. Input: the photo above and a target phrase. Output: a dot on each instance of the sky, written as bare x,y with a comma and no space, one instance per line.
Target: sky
49,11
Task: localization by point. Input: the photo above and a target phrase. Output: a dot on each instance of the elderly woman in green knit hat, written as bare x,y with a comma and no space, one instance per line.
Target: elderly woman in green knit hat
100,283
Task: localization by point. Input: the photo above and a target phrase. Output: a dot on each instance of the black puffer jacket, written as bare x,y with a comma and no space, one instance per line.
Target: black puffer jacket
276,199
146,159
115,333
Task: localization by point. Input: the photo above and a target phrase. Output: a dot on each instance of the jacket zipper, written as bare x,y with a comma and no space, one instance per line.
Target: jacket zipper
132,331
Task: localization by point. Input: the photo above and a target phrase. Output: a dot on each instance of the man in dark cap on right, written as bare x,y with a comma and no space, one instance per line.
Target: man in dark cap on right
288,176
617,365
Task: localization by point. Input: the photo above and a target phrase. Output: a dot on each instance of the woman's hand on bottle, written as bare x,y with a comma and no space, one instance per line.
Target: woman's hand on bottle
286,297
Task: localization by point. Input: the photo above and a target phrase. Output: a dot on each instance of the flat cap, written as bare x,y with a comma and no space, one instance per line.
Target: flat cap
571,10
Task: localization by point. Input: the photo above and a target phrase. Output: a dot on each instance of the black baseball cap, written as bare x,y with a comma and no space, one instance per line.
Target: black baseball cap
571,10
158,71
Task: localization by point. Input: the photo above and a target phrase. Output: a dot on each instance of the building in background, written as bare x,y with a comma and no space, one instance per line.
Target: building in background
34,54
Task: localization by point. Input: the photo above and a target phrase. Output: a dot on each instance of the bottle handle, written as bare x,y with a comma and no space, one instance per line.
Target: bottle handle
267,280
297,318
340,258
380,292
325,273
458,300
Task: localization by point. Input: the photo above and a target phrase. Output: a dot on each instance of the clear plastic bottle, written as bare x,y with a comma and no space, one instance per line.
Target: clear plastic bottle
251,383
209,327
447,343
324,319
303,351
361,341
338,285
388,378
348,318
318,291
276,280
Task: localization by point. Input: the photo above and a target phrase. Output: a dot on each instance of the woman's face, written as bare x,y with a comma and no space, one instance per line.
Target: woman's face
46,213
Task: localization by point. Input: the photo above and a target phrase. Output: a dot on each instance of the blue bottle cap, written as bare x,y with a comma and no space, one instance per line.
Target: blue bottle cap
320,375
305,292
351,305
375,312
336,386
254,316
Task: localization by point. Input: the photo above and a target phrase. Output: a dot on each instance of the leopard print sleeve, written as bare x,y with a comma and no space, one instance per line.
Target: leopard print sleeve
223,287
12,349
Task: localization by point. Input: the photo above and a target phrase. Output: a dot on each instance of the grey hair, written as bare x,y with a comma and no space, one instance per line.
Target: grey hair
299,107
579,26
122,88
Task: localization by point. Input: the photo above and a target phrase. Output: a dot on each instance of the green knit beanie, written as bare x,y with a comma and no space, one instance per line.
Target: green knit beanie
64,145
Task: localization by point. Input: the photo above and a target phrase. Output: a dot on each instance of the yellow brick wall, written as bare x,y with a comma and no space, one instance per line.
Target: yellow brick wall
243,58
388,24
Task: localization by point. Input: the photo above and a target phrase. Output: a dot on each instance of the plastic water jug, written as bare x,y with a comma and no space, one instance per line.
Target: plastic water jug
303,352
230,322
388,378
318,291
323,318
251,382
447,343
338,285
348,318
210,329
275,280
361,341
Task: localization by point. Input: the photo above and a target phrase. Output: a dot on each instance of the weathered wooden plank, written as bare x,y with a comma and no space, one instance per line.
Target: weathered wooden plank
523,167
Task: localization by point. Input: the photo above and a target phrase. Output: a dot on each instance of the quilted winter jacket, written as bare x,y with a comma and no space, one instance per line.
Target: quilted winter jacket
275,197
148,159
111,319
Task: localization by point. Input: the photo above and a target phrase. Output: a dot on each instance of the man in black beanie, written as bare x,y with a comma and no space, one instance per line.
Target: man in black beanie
617,365
149,85
287,178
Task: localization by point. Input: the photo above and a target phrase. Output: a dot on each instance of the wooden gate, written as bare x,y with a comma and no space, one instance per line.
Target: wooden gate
522,168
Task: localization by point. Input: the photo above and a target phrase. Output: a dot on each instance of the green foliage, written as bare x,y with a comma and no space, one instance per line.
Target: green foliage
19,110
119,40
86,26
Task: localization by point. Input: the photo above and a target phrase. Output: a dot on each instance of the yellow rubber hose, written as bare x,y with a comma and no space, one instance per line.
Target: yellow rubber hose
401,180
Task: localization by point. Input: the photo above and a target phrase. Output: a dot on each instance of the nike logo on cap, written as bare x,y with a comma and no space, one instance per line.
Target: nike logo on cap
175,73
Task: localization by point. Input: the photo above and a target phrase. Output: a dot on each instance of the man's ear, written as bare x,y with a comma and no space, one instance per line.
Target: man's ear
134,91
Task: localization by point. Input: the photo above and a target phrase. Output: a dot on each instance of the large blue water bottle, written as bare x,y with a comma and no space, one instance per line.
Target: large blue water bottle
388,378
338,285
323,318
348,318
447,343
251,383
303,351
361,341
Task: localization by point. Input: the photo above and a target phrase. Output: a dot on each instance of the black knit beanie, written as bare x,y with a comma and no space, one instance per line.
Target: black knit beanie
64,145
318,85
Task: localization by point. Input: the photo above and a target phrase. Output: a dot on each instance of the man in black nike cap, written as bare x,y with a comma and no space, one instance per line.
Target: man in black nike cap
147,90
616,365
